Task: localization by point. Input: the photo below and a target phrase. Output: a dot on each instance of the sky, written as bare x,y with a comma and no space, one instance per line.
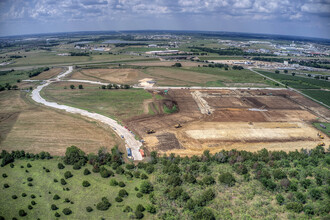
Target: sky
288,17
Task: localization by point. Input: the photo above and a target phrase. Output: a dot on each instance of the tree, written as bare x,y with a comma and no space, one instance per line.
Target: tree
295,206
113,182
103,205
53,207
138,214
151,208
73,155
121,184
118,199
122,193
279,174
60,166
146,187
293,74
285,71
140,208
280,199
103,87
68,175
66,211
80,87
15,87
205,214
227,179
315,194
56,197
177,65
89,209
277,72
63,182
86,183
22,213
72,87
208,180
109,86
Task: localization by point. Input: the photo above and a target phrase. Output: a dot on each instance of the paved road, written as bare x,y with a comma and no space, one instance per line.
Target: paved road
129,138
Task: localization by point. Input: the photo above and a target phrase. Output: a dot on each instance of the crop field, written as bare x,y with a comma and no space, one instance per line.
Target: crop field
119,104
27,126
48,74
241,119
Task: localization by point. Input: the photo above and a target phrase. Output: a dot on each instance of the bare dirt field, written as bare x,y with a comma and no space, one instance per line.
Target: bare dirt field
164,63
29,127
48,74
242,119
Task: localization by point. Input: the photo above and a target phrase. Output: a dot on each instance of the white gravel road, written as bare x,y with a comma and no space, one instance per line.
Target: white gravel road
129,138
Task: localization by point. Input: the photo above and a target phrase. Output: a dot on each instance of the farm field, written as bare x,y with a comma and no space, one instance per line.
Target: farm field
119,104
27,126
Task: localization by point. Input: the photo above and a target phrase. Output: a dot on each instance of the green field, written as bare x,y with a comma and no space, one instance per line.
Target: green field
260,185
321,95
119,104
327,125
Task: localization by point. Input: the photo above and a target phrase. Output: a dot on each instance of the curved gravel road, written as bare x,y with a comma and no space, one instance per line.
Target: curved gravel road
129,138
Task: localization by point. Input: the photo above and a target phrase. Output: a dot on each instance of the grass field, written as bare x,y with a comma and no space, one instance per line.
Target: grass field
25,125
44,188
321,95
327,125
118,104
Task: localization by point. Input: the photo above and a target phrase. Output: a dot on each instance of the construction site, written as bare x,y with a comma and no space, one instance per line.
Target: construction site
224,119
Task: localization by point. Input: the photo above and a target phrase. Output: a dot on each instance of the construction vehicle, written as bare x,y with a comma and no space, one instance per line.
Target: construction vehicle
321,144
142,152
150,131
320,135
178,125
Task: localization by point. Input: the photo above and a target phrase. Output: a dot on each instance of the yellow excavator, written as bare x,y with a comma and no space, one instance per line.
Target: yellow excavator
320,135
150,131
321,144
178,125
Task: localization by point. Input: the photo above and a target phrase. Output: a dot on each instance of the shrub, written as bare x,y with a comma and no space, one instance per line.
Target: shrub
315,194
174,180
104,204
306,183
30,207
6,185
76,166
60,166
301,197
118,199
86,184
33,202
106,173
144,176
280,199
208,180
137,174
146,187
227,179
73,155
66,211
33,196
4,175
113,182
150,169
55,180
279,174
14,196
295,206
139,195
63,182
22,213
138,214
130,166
204,213
11,165
53,207
96,169
57,215
89,209
28,165
67,200
121,184
87,172
151,208
122,193
140,208
127,209
56,197
308,210
120,170
30,184
47,170
24,195
68,175
29,179
241,169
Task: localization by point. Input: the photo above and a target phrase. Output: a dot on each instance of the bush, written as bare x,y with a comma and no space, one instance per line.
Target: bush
47,170
144,176
33,196
33,202
139,195
301,197
89,209
96,169
121,184
63,182
308,210
55,180
22,213
146,187
24,195
60,166
227,179
208,180
279,174
29,179
86,184
280,199
204,213
106,173
74,155
315,194
57,215
28,165
56,197
66,211
11,165
6,185
67,200
137,174
138,214
140,208
30,207
151,208
118,199
68,175
130,166
306,183
127,209
122,193
14,196
295,206
103,205
113,182
30,184
53,207
76,166
4,175
87,172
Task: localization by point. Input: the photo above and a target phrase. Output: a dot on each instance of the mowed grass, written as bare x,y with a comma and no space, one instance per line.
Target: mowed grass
44,188
119,104
321,95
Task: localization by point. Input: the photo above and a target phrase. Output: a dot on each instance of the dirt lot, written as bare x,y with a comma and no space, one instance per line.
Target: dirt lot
242,119
29,127
164,63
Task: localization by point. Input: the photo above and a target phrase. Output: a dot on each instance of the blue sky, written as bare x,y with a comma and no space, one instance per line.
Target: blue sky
289,17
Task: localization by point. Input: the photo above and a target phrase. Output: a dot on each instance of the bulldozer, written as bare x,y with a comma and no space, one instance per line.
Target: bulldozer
178,125
150,131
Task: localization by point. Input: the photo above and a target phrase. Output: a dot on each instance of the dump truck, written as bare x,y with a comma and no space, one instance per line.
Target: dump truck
178,126
150,131
129,153
142,153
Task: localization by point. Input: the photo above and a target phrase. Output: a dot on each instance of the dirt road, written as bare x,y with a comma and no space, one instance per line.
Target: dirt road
129,138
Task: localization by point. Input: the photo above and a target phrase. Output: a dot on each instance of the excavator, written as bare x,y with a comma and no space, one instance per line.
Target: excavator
320,135
150,131
178,125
